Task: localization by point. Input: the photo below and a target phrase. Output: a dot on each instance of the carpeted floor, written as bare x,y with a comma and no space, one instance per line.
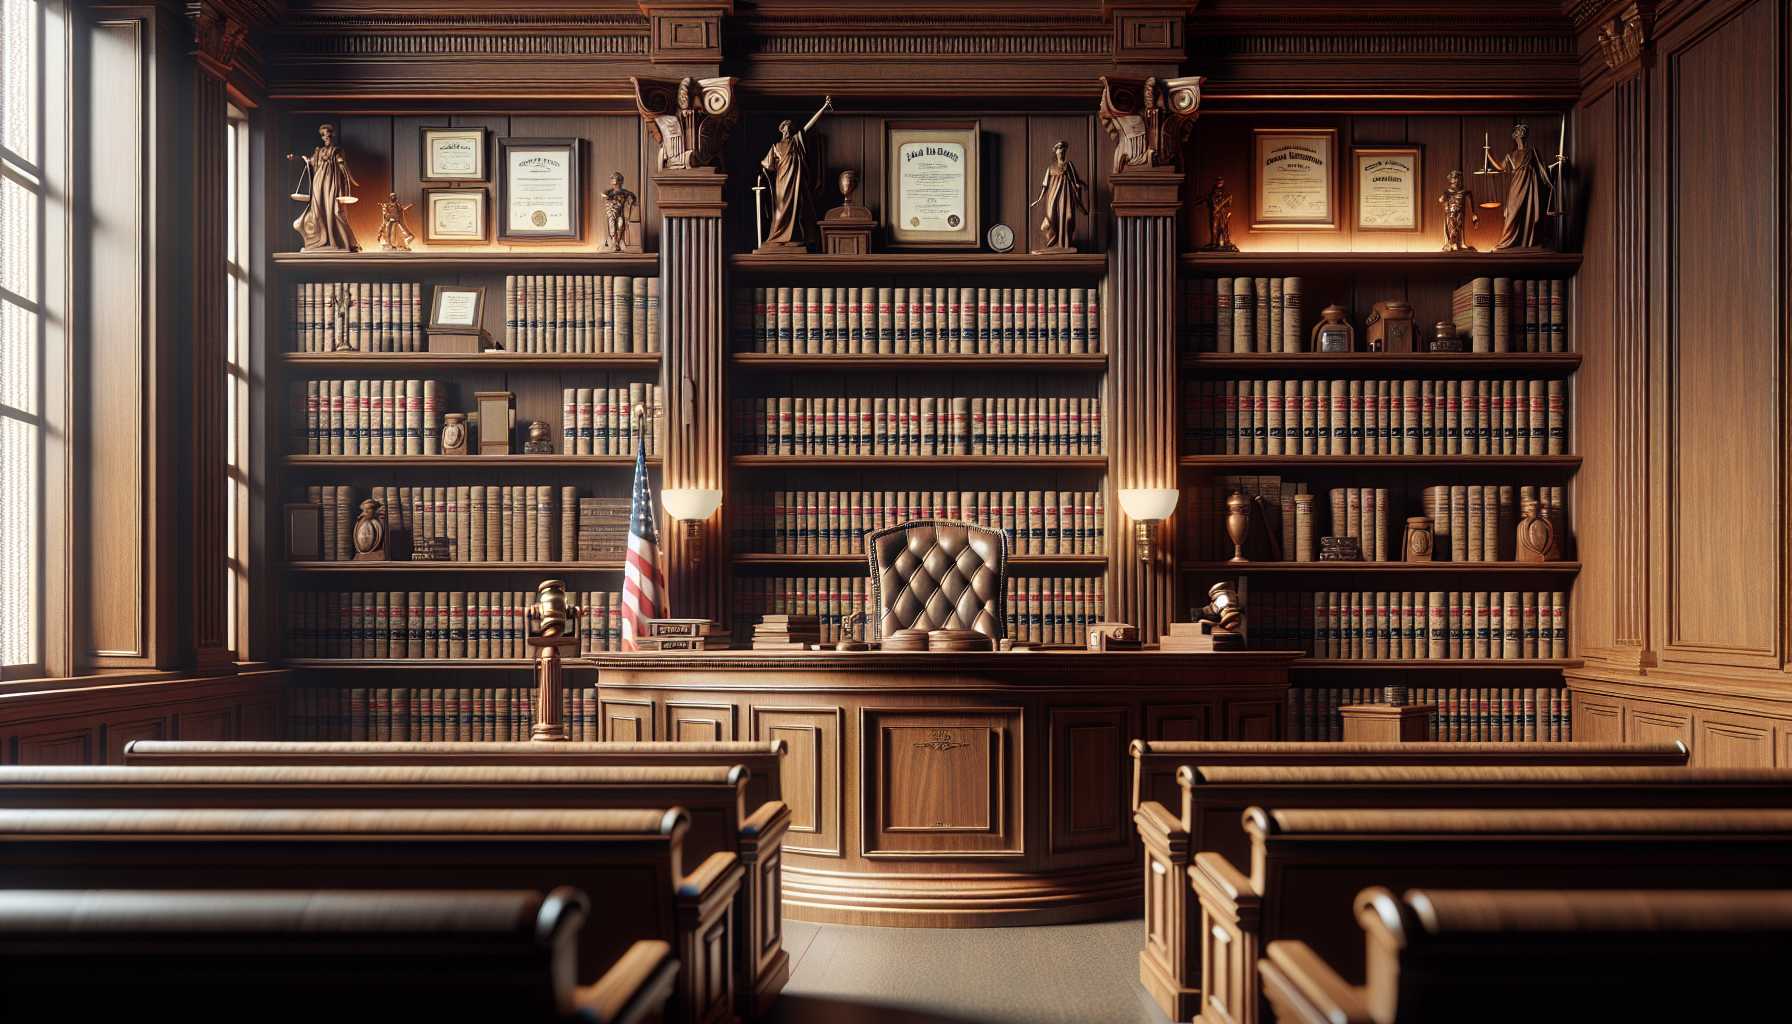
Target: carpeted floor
1066,974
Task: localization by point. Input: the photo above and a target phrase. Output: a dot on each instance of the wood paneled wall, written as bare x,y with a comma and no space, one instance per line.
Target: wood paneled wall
1682,513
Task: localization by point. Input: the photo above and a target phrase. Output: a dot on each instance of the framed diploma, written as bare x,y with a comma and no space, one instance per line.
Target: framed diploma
453,154
932,181
454,215
456,308
1296,175
1387,188
538,189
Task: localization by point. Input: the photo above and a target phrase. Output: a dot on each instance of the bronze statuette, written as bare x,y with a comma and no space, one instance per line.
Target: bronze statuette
1526,185
394,236
370,533
792,179
1457,204
1063,194
622,218
846,229
1219,218
322,227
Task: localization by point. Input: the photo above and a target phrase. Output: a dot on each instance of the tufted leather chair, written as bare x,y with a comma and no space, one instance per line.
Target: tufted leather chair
939,574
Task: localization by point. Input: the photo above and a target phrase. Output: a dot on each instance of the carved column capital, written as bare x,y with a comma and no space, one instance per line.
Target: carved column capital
685,31
1627,38
218,38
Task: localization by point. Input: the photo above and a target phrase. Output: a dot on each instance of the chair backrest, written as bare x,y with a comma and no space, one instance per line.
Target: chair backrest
938,574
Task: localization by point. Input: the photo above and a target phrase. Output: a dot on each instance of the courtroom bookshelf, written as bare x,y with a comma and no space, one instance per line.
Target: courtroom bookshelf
1482,694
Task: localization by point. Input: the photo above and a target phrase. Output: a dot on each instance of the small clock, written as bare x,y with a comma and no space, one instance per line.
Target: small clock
1001,238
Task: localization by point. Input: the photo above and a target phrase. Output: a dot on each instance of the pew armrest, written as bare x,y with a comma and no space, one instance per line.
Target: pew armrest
716,878
1303,988
765,825
1159,827
635,989
1217,882
1231,913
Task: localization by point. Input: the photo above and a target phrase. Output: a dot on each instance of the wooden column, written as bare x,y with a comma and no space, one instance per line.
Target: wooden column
217,38
1142,374
690,203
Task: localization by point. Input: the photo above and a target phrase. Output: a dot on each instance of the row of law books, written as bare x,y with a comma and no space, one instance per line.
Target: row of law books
1411,625
372,417
1042,522
1505,714
942,425
1502,314
480,522
609,421
357,316
432,714
872,320
1242,314
362,625
579,313
1040,609
1376,417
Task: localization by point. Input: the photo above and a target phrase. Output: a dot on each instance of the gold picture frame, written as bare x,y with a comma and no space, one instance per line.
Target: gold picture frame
461,216
453,154
1385,186
1294,179
933,183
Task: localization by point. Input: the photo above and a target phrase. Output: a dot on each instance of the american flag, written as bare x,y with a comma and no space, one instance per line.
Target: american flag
643,587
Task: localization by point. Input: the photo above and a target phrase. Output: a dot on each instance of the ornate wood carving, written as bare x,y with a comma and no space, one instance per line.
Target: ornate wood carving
690,119
1626,37
688,32
1149,121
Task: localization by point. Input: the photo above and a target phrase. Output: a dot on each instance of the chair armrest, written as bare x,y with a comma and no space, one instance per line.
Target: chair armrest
1304,989
634,989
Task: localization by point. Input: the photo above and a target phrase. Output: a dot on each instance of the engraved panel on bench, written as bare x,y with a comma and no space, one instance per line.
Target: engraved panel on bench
941,783
811,773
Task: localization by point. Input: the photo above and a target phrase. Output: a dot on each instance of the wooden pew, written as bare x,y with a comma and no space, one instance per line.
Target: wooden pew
714,797
627,861
316,955
1472,956
765,759
1308,865
1169,963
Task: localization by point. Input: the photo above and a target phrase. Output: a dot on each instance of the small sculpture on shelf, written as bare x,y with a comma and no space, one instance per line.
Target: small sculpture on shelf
1063,193
689,119
1526,185
1219,218
1539,533
370,535
454,433
786,166
1149,121
340,304
394,236
541,439
1419,539
1444,338
846,229
322,227
1457,204
852,630
1389,326
622,217
1333,332
1238,524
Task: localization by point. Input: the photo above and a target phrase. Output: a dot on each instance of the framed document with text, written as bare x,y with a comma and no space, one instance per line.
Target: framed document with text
454,215
932,181
1387,187
1295,171
452,154
456,308
538,189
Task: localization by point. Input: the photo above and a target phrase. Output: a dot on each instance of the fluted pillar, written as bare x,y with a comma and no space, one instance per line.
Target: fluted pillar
690,203
1142,376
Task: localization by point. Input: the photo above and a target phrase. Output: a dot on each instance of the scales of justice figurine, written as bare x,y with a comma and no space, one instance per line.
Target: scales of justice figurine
621,218
1530,194
792,181
553,631
1457,204
1063,193
322,227
394,236
1219,218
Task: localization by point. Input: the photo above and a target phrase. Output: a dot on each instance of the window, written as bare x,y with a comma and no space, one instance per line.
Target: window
22,420
236,372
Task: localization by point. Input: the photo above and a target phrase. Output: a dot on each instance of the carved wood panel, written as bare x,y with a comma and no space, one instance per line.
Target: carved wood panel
1597,721
1651,726
711,723
1178,721
214,723
1254,719
55,742
1732,743
628,720
119,734
941,783
812,773
1089,777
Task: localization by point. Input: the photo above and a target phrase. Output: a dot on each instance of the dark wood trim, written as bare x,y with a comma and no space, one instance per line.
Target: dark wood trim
1301,364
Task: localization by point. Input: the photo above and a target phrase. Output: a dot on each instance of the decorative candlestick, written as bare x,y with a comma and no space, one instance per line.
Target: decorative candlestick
553,627
1238,523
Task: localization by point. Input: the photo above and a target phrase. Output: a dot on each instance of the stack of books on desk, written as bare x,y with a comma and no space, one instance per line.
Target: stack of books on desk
680,635
786,632
1199,637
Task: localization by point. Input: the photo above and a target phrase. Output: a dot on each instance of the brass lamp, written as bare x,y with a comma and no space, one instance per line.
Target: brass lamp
692,506
1146,507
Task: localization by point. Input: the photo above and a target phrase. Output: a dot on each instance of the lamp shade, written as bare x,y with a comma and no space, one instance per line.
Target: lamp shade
1149,503
691,502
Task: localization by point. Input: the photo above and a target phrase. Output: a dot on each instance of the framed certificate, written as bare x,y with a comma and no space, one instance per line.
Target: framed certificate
453,154
1387,187
538,189
1296,174
454,307
932,182
454,215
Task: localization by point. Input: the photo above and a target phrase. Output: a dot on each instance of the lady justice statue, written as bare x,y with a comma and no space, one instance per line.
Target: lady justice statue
1062,192
322,227
786,164
1526,192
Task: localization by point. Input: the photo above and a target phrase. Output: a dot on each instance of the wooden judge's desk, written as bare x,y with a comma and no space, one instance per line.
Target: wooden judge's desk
951,789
